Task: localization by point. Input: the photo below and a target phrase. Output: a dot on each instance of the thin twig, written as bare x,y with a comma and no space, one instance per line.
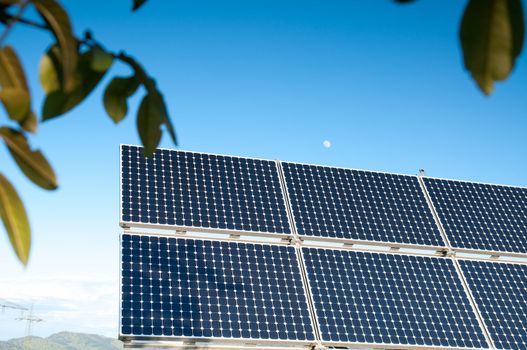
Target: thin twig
140,72
15,19
7,17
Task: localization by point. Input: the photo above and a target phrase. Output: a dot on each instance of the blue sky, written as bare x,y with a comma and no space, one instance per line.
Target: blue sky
271,79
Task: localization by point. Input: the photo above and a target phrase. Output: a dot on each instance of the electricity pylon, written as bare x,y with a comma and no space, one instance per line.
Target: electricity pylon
30,319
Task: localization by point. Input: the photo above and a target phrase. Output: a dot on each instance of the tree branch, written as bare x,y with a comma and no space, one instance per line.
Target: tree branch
141,74
6,18
23,4
143,77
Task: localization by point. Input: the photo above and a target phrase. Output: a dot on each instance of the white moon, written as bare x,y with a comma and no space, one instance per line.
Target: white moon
327,143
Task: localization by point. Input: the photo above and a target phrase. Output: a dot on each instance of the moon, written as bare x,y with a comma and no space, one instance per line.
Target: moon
327,143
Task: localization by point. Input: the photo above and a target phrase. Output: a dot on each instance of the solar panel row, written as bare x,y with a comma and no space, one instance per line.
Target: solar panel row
177,288
202,191
200,289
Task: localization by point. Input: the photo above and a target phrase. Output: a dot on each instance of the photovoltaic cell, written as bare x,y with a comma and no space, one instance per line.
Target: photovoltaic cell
359,205
500,291
173,287
195,190
381,299
481,216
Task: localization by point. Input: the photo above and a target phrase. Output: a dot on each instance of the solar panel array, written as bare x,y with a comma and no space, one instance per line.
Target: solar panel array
359,205
390,299
198,190
481,216
500,291
175,288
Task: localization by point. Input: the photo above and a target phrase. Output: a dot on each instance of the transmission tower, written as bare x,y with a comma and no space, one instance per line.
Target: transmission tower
30,319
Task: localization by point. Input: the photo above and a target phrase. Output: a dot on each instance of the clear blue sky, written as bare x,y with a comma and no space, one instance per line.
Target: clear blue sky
271,79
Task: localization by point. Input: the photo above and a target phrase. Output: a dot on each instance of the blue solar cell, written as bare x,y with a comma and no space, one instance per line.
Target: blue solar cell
174,188
481,216
389,299
174,287
359,205
500,291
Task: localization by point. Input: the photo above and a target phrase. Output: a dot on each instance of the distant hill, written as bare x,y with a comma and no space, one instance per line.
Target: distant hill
62,341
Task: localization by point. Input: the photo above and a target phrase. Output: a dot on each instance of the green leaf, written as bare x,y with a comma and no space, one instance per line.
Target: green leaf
58,102
15,220
32,163
138,4
15,93
101,60
491,34
57,18
150,86
115,95
150,116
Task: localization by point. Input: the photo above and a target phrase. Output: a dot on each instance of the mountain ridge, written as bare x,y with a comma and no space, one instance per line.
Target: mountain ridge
62,341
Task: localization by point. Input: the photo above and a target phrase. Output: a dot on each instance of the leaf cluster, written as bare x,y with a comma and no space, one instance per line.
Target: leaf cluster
70,69
491,36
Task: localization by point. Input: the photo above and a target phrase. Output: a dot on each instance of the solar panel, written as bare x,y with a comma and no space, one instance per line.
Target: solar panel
388,299
194,190
359,205
500,291
481,216
174,287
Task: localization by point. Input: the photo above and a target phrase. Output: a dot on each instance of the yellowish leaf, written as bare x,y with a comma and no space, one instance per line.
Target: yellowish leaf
58,20
491,34
32,163
15,220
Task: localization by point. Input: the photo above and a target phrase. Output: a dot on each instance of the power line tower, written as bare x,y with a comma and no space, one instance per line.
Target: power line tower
30,319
